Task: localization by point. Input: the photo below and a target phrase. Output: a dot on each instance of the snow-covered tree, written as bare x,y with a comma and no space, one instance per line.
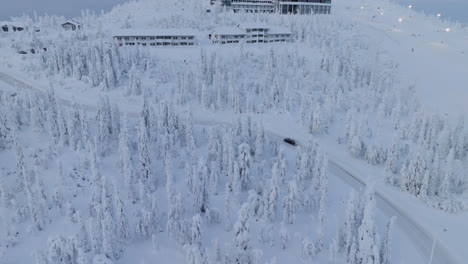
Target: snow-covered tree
271,198
145,171
290,204
244,166
241,235
125,151
368,239
385,254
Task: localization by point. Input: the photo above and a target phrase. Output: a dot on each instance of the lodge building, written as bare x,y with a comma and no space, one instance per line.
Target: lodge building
164,37
250,33
280,6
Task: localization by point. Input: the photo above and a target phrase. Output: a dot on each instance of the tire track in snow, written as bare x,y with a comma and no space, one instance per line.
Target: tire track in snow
421,238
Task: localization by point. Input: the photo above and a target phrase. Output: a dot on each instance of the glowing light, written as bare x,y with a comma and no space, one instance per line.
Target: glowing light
382,14
447,30
410,6
438,15
362,7
400,20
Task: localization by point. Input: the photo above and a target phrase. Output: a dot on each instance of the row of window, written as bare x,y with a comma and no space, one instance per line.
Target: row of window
305,9
250,41
153,38
158,44
255,36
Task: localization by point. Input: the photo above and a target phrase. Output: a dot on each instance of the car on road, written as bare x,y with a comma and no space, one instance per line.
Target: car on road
290,141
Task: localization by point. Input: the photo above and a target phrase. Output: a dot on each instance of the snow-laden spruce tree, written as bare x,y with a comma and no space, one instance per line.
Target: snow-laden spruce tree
121,220
96,180
145,171
414,180
349,229
241,235
214,178
259,142
104,118
126,162
35,204
271,196
322,207
385,254
52,116
368,239
21,176
175,224
445,187
290,204
245,161
199,190
74,127
392,164
134,87
227,207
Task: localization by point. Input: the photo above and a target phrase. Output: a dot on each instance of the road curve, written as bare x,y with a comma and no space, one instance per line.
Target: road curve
421,238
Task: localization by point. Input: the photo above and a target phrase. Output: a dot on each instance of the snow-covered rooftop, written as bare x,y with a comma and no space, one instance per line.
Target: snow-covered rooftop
72,21
155,32
12,24
279,30
228,31
254,25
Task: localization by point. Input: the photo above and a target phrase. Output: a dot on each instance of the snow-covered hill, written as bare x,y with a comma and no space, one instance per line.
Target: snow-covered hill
137,154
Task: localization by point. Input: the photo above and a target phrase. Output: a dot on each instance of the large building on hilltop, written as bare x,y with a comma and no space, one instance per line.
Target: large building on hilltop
304,6
267,6
280,6
250,33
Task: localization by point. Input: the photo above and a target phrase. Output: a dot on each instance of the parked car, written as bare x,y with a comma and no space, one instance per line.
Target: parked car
290,141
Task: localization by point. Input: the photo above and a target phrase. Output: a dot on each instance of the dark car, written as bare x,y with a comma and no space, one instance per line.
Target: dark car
290,141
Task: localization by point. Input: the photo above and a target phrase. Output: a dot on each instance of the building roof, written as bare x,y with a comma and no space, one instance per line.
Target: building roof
137,32
73,21
228,31
279,30
254,25
11,24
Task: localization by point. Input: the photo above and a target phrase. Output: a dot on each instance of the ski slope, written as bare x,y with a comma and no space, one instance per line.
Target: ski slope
432,52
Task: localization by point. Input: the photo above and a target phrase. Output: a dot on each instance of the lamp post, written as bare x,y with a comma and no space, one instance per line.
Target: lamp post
409,10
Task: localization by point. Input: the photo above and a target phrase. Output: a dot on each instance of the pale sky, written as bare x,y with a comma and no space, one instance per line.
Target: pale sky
67,8
455,9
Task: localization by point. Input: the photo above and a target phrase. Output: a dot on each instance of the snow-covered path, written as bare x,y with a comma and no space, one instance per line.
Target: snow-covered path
419,236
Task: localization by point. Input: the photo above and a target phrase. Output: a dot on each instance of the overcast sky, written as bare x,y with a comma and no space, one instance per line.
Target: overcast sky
456,9
67,8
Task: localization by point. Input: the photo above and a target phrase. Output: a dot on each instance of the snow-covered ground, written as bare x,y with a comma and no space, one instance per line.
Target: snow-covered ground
360,80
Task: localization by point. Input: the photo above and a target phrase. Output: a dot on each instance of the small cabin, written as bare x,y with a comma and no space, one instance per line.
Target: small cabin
72,25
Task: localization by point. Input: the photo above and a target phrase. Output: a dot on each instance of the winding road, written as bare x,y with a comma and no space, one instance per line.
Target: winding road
420,237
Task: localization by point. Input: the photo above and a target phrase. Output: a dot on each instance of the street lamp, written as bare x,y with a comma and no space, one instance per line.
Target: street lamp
447,30
400,20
